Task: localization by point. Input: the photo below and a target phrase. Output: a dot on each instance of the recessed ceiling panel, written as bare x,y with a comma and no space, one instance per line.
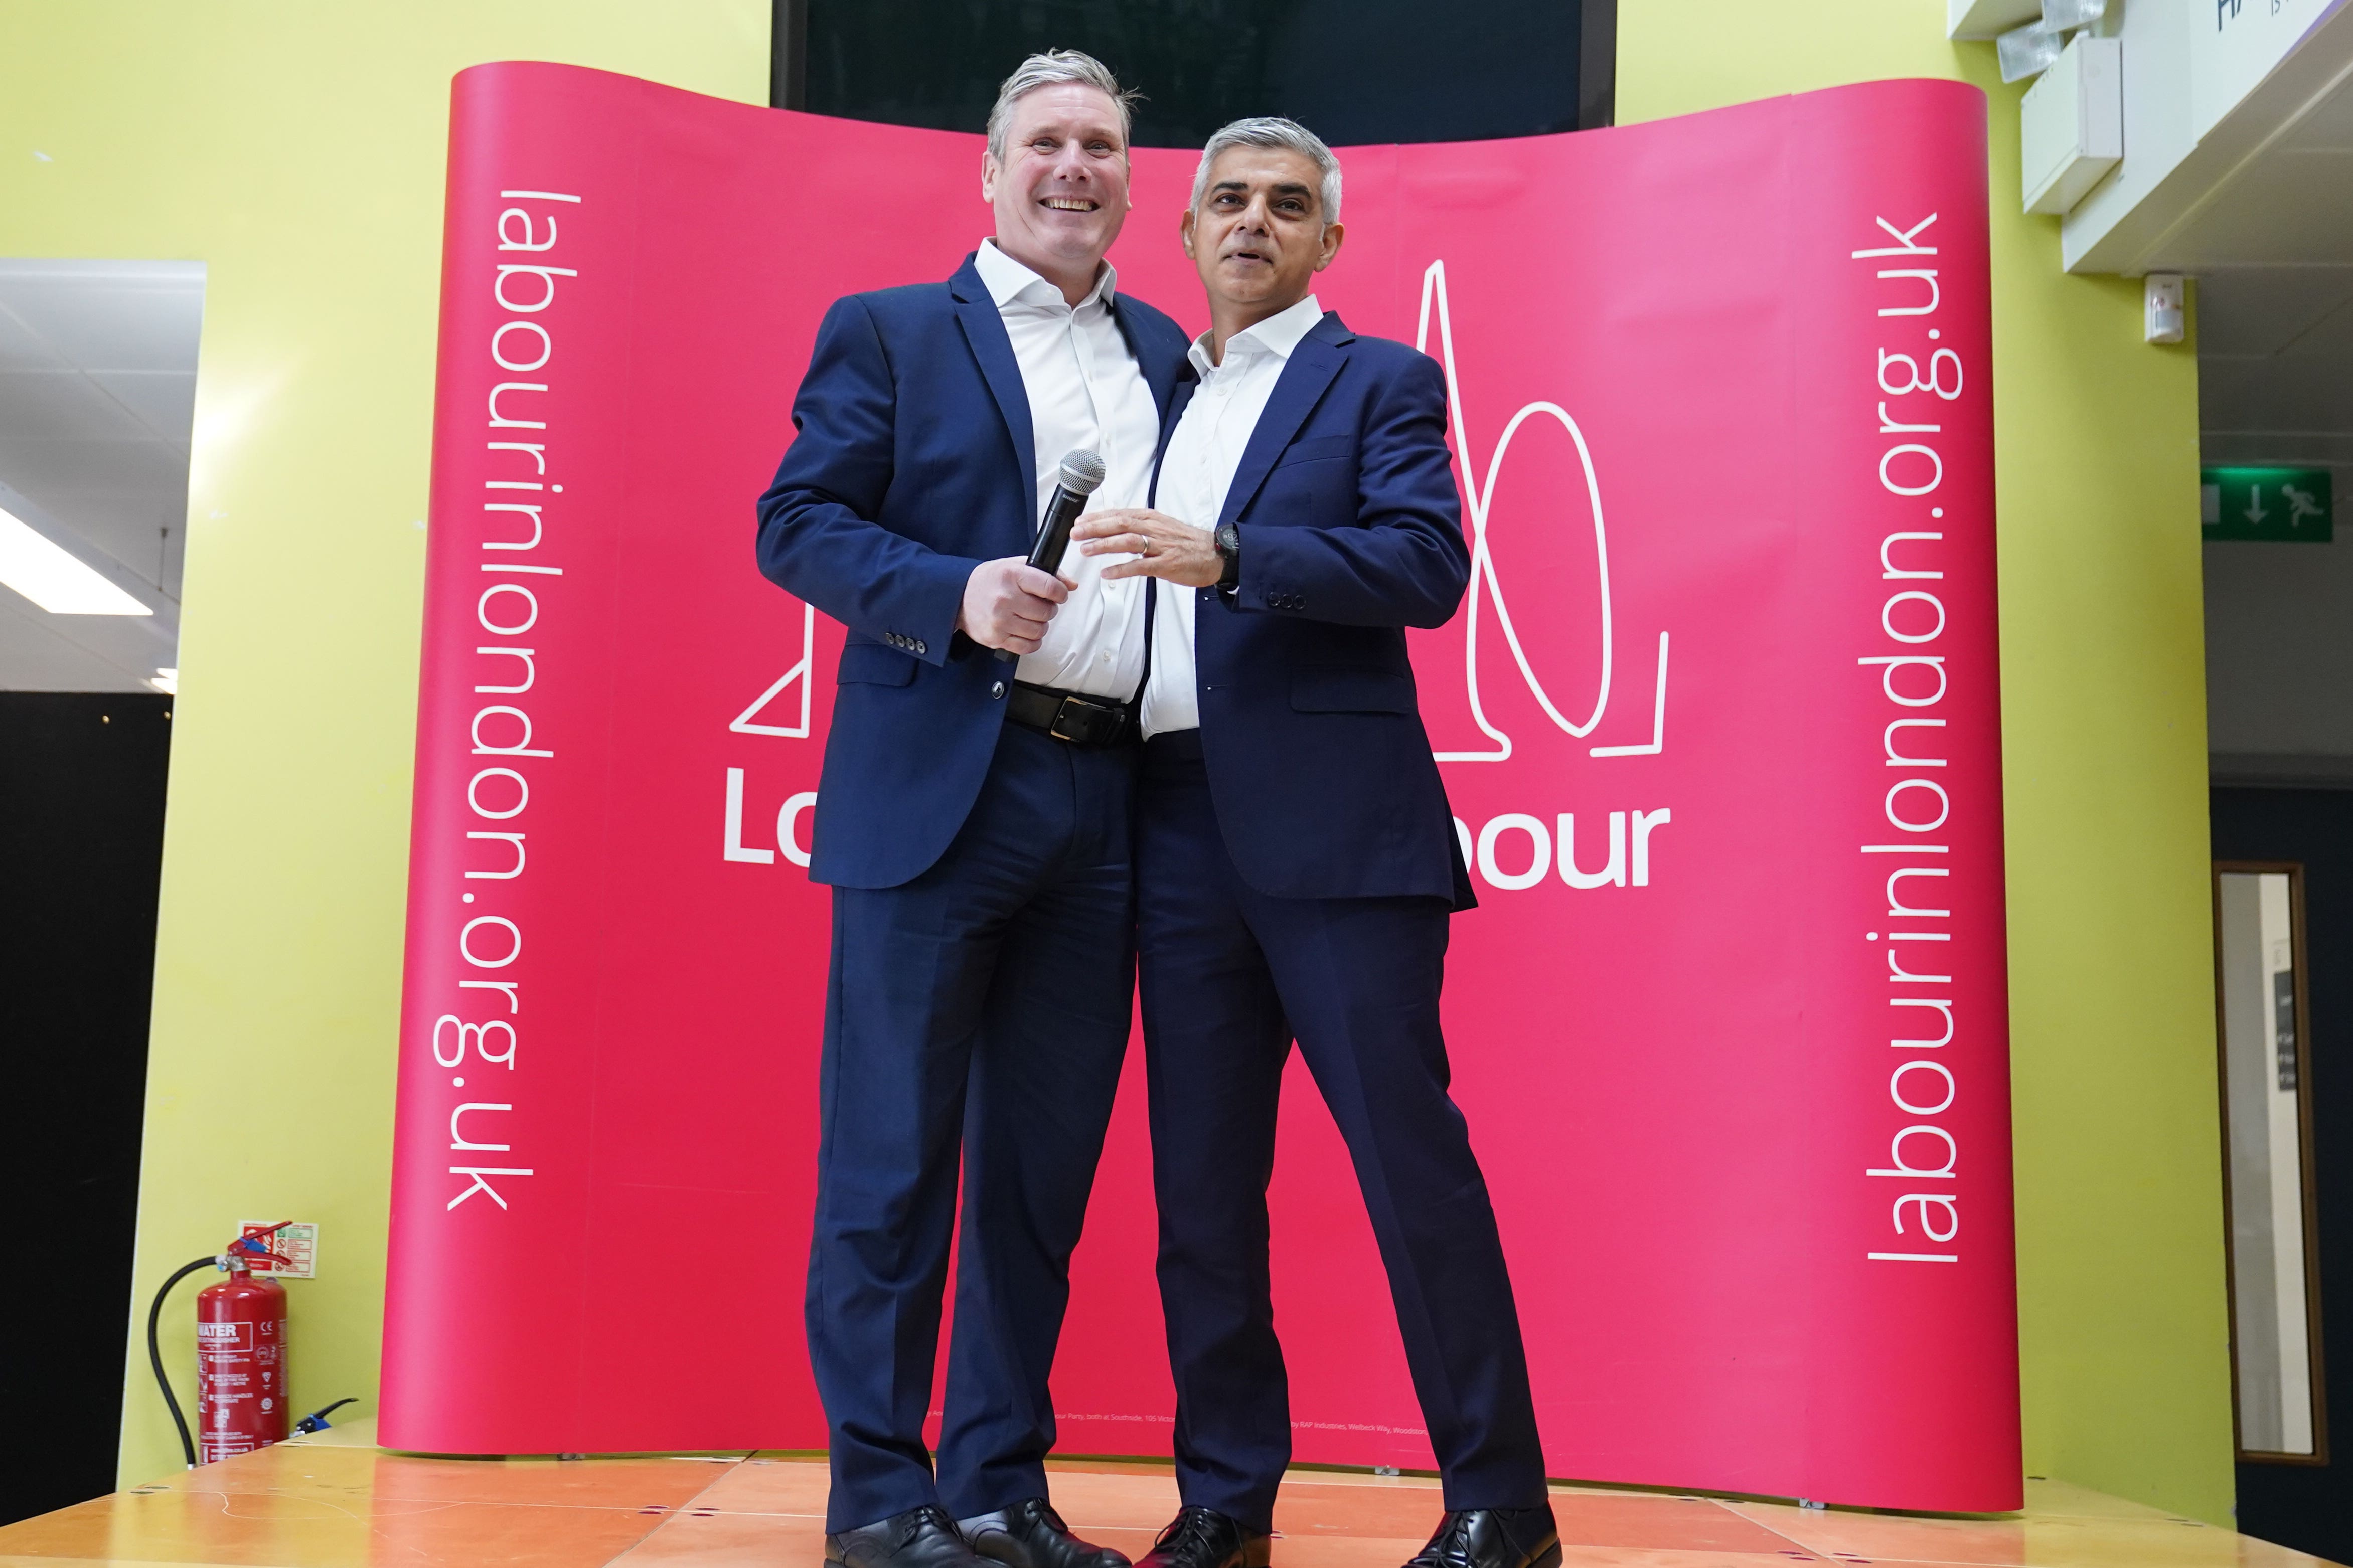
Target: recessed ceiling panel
2328,126
2263,311
98,366
109,315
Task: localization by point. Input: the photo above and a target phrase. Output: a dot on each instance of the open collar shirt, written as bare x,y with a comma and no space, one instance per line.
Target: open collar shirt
1204,453
1086,390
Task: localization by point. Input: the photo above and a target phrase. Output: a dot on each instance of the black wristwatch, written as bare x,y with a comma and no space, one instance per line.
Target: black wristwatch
1228,541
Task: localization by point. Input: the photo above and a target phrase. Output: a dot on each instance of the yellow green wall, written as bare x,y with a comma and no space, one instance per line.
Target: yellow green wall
2121,1307
297,149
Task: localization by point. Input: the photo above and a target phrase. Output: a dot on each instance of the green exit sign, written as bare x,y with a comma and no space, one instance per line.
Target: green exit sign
2280,505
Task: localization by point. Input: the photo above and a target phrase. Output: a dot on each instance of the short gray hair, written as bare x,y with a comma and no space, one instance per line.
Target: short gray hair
1053,67
1270,131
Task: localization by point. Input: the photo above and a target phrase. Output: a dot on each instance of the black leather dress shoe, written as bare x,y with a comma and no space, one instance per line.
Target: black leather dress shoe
919,1538
1493,1538
1032,1535
1204,1538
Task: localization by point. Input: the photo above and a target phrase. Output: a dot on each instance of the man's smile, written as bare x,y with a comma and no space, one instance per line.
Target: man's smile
1071,204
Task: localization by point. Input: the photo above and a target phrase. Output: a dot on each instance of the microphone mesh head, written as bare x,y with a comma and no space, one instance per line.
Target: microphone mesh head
1082,472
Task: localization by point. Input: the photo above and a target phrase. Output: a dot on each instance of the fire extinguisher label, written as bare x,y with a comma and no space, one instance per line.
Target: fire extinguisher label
215,1338
297,1243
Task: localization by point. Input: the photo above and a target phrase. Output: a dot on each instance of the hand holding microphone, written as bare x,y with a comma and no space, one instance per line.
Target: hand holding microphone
1008,603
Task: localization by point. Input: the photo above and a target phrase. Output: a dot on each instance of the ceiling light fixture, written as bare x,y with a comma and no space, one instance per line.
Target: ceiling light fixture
54,578
2030,50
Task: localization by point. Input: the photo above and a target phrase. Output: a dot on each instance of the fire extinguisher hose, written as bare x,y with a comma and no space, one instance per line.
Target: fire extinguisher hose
156,1356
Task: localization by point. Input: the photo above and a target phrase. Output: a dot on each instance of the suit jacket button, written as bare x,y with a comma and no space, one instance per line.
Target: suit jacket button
923,647
997,690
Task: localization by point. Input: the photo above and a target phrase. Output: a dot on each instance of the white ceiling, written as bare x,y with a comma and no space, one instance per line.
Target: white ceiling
98,382
2274,255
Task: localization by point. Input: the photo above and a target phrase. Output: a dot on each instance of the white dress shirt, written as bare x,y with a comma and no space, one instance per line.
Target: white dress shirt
1195,476
1086,390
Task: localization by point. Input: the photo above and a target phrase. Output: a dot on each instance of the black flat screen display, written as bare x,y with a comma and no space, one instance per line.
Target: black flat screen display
1354,71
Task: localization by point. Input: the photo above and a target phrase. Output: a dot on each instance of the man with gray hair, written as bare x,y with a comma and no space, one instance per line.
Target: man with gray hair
1296,864
973,821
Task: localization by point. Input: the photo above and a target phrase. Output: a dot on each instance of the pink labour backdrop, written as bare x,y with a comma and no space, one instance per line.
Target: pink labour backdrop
1717,718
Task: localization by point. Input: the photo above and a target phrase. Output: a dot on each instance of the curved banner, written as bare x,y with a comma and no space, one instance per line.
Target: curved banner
1718,720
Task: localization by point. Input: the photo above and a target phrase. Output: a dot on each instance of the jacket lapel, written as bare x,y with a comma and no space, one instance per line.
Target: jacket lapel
1161,371
984,329
1310,369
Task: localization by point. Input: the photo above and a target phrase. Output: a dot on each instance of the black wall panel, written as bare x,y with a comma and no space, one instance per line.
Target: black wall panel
1354,71
81,843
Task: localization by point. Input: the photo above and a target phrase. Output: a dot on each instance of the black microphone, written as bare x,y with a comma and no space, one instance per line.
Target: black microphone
1080,477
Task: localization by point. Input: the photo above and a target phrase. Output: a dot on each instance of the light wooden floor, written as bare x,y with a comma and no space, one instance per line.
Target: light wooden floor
334,1501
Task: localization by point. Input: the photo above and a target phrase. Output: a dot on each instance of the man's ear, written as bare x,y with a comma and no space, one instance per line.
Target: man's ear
989,173
1333,235
1185,234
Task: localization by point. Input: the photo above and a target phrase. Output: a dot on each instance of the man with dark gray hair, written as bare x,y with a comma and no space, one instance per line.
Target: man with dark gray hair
1296,864
973,821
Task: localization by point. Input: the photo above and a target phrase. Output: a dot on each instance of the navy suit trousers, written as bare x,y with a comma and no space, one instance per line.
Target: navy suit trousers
1230,977
986,1003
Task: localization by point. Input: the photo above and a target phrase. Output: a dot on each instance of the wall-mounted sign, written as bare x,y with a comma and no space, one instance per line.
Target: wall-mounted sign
2277,505
2239,46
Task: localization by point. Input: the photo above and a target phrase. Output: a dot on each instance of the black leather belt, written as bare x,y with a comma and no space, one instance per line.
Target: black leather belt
1088,722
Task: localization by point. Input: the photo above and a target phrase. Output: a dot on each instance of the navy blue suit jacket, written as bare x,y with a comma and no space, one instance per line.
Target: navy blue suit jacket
1351,531
914,462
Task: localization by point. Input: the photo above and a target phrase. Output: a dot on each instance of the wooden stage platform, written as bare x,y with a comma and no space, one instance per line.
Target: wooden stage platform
335,1501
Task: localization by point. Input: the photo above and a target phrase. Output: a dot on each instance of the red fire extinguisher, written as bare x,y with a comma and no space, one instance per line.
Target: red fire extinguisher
241,1363
241,1348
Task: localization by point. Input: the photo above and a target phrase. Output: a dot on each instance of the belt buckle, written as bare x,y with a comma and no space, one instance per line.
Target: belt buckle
1069,707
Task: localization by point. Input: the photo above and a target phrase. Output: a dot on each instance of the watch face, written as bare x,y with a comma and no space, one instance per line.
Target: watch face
1228,541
